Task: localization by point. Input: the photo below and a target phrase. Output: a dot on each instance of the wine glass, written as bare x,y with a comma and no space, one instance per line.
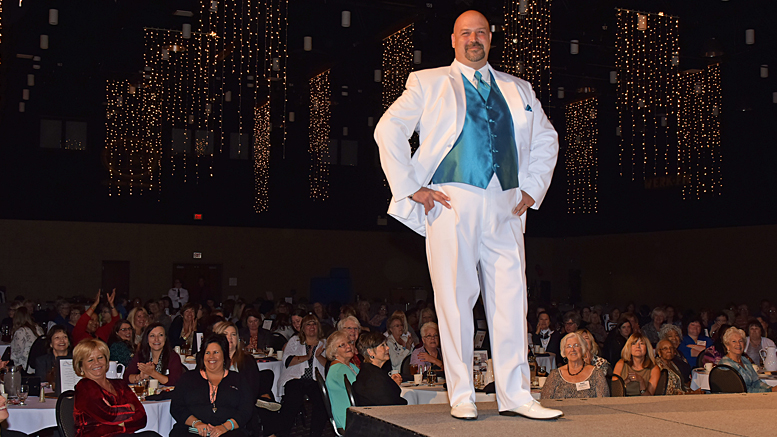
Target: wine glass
24,391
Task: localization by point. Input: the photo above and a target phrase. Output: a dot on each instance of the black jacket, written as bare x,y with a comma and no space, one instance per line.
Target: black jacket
374,387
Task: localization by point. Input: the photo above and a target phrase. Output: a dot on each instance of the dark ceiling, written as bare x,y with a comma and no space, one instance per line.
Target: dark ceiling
97,40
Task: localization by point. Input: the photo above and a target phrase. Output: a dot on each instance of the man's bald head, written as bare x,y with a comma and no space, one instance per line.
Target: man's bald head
471,39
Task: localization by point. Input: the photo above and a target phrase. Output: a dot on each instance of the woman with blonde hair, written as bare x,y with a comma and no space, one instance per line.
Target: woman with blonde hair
339,351
577,379
138,318
592,354
637,366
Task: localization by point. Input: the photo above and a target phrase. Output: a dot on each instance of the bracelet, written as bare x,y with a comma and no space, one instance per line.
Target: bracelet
231,424
195,422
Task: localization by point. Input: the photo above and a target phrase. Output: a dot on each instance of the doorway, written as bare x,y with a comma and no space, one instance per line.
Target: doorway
202,280
116,274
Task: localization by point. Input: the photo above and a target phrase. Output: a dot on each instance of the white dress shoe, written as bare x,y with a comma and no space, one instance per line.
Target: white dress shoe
533,410
465,411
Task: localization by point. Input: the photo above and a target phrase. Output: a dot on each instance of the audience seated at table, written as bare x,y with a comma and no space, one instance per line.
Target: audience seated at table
156,314
673,334
721,319
154,359
350,325
756,341
373,386
24,334
261,382
665,360
592,353
138,318
576,379
637,366
303,355
399,341
103,407
652,328
714,353
596,328
255,337
616,339
62,308
430,353
212,398
546,335
694,343
184,326
122,342
88,325
58,346
339,351
734,340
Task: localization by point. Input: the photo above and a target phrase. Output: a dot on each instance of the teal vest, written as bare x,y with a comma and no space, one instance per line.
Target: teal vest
486,144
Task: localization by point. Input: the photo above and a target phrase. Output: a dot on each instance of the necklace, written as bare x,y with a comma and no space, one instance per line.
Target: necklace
212,389
569,370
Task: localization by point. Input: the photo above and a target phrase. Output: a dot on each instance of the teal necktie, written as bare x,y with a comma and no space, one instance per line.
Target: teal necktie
483,87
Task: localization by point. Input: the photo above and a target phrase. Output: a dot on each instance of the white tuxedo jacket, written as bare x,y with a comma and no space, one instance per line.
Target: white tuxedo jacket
434,103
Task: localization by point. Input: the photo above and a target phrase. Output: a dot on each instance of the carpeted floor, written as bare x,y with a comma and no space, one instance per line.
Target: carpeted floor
699,415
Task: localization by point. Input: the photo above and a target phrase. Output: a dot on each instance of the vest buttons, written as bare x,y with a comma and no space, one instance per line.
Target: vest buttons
490,120
494,151
489,107
496,165
493,135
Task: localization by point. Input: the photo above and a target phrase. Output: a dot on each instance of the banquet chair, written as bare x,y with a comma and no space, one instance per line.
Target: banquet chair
617,386
65,421
404,370
726,379
663,381
327,404
348,390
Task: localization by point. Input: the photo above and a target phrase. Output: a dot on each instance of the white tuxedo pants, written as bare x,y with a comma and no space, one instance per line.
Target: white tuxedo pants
477,247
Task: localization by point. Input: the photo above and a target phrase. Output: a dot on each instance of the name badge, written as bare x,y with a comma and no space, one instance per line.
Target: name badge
701,343
585,385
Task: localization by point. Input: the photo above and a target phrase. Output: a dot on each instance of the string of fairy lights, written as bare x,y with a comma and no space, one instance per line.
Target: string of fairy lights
275,54
318,133
133,138
261,157
699,109
647,60
397,63
581,156
527,43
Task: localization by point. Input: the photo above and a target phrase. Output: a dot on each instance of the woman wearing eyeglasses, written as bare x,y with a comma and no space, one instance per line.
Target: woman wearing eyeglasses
122,342
576,379
430,352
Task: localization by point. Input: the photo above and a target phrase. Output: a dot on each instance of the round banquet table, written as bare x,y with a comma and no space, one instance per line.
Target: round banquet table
36,416
700,379
275,366
548,361
424,394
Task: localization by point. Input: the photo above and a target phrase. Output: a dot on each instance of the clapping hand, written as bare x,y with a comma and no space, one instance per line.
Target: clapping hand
111,298
216,431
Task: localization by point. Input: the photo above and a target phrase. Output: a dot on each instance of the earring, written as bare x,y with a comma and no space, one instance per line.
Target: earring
372,357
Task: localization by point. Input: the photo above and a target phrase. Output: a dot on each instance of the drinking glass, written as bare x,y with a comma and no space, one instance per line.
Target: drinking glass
24,391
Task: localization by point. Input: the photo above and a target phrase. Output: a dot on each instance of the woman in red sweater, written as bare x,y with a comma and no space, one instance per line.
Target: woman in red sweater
103,407
88,325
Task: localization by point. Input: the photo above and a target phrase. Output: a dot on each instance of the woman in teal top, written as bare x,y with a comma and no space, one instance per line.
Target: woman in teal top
734,339
340,352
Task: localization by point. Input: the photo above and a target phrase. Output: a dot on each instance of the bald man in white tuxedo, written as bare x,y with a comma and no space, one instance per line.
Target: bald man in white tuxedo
487,153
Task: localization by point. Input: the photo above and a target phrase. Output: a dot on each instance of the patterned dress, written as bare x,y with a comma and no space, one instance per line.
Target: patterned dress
556,387
675,384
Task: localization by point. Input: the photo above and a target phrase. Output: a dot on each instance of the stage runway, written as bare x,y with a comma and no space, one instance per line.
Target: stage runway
690,415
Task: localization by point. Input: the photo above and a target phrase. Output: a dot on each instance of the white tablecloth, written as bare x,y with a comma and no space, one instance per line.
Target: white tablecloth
701,379
36,416
275,366
549,362
438,395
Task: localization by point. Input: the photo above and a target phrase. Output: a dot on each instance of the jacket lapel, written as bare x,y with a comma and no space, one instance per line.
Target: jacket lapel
460,109
515,101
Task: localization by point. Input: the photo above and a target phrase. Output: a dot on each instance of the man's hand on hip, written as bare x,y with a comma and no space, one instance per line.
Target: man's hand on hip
427,197
525,203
